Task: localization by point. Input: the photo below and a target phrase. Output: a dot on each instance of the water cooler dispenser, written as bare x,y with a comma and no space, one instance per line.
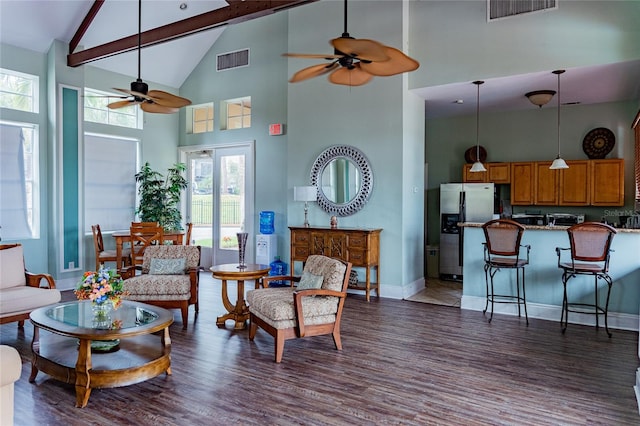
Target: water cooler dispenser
266,248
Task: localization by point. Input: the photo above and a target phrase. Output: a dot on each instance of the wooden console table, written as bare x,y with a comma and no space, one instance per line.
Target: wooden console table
360,246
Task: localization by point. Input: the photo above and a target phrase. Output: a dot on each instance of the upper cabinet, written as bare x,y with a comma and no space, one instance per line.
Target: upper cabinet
607,182
585,182
496,173
545,184
574,184
522,183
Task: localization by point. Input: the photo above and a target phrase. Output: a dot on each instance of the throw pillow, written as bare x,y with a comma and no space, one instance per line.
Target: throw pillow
167,266
308,281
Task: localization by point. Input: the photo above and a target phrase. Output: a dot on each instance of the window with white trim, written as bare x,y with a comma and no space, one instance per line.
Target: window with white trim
238,113
19,91
200,118
97,111
110,164
19,181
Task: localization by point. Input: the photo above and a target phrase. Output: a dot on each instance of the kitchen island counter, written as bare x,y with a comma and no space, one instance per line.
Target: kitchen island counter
544,288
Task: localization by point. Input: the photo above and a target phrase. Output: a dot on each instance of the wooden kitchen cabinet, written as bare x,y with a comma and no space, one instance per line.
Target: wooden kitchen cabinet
359,246
473,177
607,182
522,183
574,184
546,184
496,173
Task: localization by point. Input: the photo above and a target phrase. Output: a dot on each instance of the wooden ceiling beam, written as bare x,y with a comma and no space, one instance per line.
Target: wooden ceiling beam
84,26
236,12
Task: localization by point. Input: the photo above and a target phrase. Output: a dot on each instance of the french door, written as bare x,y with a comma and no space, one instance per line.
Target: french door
220,201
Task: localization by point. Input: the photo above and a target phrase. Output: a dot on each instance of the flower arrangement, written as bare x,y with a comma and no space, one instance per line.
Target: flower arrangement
100,287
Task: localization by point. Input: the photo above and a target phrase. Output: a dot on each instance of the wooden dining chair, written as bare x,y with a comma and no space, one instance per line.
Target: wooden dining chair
103,255
187,241
143,235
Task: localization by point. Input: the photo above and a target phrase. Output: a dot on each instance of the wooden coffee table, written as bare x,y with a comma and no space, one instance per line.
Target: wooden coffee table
239,312
65,354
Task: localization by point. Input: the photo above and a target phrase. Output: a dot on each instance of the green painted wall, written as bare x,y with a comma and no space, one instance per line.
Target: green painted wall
265,80
376,118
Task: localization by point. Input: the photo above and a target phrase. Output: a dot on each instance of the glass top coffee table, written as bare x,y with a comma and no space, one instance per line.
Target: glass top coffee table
66,352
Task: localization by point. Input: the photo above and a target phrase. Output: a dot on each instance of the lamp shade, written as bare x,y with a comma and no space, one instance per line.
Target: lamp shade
558,163
305,193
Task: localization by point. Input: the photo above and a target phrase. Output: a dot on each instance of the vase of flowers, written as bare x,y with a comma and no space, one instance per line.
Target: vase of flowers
104,289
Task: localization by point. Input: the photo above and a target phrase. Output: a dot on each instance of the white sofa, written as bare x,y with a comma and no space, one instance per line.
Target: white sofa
9,374
20,291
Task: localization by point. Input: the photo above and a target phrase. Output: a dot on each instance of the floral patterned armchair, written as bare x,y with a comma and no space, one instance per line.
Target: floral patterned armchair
312,308
169,279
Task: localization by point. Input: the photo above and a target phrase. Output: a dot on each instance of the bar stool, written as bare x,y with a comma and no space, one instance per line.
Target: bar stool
502,251
590,246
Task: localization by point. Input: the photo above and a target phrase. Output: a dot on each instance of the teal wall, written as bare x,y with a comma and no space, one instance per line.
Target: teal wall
265,80
454,42
380,119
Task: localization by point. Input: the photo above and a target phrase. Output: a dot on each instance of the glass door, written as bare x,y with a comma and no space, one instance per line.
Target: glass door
200,203
233,167
220,202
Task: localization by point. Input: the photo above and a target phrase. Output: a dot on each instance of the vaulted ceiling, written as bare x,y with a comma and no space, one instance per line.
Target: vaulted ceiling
33,24
176,34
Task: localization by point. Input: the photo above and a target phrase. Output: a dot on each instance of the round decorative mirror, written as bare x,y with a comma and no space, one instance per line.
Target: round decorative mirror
344,180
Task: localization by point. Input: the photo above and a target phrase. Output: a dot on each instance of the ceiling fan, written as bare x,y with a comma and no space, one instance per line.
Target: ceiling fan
155,101
355,61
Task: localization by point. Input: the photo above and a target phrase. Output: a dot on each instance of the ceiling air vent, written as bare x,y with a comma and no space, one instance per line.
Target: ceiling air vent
498,9
237,59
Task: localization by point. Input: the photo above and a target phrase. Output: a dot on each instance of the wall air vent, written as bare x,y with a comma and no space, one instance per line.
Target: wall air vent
499,9
237,59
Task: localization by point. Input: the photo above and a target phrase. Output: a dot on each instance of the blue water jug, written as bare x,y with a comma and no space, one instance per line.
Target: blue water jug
266,222
278,267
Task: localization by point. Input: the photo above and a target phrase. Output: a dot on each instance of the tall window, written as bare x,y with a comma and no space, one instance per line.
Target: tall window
19,183
96,110
110,164
18,91
200,118
238,113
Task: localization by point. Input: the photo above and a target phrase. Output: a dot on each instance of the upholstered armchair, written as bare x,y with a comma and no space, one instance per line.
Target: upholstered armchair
312,308
169,278
21,291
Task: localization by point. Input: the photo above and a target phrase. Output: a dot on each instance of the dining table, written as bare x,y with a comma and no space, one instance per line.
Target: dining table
121,237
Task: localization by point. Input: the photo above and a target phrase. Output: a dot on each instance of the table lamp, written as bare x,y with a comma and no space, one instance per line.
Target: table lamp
306,194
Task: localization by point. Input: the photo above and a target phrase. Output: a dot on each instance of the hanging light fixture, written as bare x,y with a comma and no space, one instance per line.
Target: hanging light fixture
540,97
558,163
478,166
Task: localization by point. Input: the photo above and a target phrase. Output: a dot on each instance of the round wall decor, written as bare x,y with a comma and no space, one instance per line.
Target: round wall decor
598,143
470,155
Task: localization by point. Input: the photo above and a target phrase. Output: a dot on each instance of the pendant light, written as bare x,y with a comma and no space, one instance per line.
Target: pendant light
478,166
558,163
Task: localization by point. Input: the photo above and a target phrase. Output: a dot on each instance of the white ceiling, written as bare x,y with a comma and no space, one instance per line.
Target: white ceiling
32,24
586,85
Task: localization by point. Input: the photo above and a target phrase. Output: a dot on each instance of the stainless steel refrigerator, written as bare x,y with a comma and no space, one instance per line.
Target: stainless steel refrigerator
461,202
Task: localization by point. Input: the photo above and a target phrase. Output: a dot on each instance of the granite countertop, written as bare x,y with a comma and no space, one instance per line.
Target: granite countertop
544,227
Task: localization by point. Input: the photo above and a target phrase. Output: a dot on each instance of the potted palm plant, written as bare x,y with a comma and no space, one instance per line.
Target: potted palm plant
160,196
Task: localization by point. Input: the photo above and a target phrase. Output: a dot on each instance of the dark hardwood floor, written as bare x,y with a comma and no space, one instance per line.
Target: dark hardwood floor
403,363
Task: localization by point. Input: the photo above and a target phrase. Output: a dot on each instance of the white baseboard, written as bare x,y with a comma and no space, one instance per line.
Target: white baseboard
552,313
